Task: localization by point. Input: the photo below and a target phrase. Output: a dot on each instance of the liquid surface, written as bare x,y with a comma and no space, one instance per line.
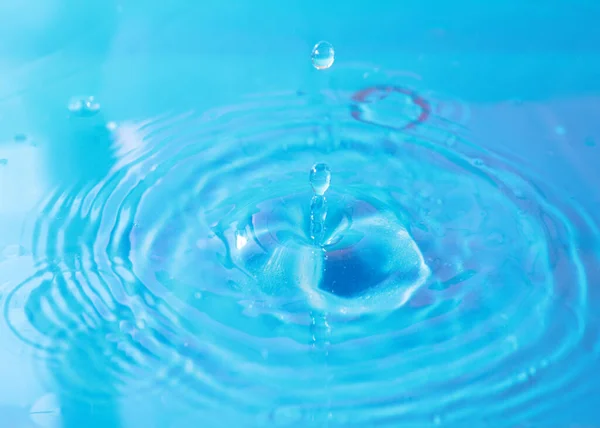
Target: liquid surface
168,261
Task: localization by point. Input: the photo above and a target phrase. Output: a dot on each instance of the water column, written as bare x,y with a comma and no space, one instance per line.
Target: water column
320,178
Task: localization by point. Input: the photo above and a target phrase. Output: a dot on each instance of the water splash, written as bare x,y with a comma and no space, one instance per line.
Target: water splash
465,272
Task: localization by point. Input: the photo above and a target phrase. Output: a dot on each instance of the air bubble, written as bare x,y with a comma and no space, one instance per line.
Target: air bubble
323,55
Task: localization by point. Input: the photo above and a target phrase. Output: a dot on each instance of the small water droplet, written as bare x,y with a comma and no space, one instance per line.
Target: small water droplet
197,295
84,106
323,55
320,178
478,162
451,141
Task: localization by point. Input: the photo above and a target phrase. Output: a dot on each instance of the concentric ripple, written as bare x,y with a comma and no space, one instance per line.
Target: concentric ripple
455,288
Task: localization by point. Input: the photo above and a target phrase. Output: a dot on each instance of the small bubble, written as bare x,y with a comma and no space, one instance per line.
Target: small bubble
320,178
84,106
323,55
478,162
197,295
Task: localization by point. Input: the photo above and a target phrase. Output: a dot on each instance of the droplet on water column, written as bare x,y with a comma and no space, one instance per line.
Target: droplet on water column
320,178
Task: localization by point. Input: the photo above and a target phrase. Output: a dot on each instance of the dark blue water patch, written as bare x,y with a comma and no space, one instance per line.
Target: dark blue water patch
375,252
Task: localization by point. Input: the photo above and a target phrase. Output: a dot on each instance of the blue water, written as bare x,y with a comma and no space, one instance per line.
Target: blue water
198,227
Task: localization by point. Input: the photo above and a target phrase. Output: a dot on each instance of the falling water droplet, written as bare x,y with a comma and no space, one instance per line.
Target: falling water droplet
320,177
323,55
84,106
